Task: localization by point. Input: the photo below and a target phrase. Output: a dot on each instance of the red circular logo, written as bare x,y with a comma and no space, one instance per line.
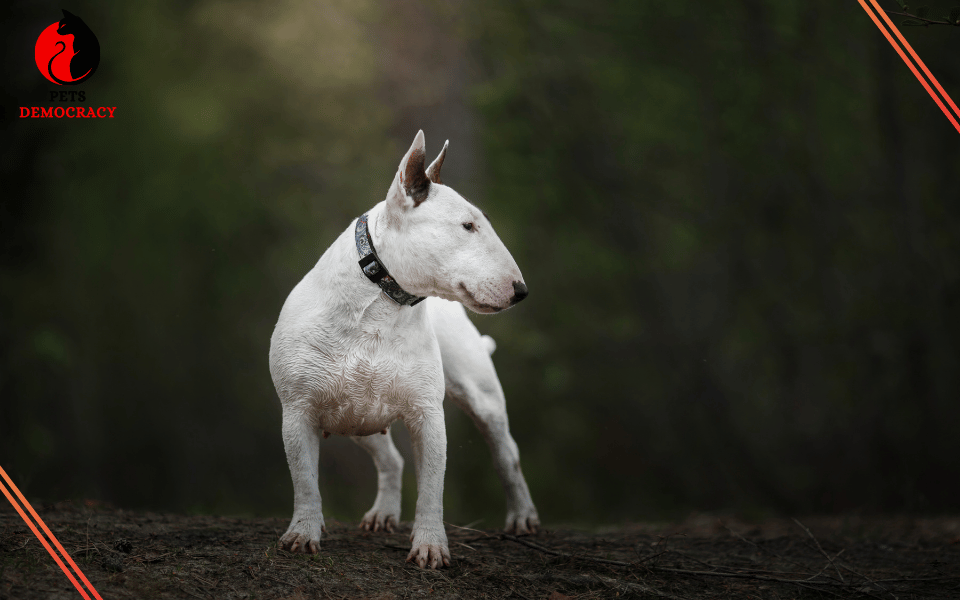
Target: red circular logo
67,52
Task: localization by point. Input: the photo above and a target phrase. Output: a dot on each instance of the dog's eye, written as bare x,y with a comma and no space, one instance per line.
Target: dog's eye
468,226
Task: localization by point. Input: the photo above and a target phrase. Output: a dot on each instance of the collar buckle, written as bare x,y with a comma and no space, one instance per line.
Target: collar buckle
372,268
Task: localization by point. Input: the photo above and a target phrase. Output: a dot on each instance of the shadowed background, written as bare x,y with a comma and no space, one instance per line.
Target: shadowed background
738,225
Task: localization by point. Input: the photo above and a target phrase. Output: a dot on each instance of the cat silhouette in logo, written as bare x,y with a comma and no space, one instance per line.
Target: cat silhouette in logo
86,49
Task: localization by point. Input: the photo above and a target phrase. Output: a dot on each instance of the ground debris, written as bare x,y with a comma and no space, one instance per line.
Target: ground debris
128,554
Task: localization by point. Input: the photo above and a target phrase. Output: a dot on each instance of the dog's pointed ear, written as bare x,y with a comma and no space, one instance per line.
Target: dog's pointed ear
433,171
411,182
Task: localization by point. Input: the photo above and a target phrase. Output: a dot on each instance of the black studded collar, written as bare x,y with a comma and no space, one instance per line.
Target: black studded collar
375,270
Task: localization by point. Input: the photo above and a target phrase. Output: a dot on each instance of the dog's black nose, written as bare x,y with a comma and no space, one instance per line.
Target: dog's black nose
519,292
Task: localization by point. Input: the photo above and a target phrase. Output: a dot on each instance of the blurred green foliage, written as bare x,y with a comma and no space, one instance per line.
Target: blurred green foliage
738,226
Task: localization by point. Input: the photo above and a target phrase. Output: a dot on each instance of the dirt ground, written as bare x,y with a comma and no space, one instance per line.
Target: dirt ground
145,555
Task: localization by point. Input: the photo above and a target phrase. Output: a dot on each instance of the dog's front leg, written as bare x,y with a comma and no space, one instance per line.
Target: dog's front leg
302,444
429,439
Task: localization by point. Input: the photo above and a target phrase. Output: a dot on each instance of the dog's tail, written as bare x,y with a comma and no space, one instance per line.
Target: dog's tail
488,344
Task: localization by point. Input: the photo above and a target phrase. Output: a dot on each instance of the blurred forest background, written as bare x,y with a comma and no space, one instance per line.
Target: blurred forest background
738,222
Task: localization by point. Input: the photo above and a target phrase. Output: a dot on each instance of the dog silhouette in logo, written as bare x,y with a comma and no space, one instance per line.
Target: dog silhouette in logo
86,50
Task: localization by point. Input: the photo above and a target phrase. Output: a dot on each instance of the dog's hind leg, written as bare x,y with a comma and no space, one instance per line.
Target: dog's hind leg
301,440
483,400
472,384
385,514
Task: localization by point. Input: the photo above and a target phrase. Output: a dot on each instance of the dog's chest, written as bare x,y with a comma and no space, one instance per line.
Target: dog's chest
361,379
387,367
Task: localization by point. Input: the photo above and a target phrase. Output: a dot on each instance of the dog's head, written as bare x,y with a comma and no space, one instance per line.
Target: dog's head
441,245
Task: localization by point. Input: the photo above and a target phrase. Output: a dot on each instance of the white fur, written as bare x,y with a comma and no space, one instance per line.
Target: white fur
348,360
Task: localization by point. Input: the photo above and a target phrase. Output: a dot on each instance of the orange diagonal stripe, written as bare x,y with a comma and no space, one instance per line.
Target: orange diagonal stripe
43,540
913,54
922,81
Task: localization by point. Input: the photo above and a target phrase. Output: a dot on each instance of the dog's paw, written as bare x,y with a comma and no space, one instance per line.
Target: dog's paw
380,520
429,549
522,522
429,556
303,535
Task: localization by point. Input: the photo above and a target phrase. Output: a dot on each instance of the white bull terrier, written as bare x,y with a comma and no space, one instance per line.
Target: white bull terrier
354,350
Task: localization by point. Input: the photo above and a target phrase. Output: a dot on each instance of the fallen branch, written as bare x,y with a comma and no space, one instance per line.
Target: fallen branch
512,538
825,555
763,549
867,579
